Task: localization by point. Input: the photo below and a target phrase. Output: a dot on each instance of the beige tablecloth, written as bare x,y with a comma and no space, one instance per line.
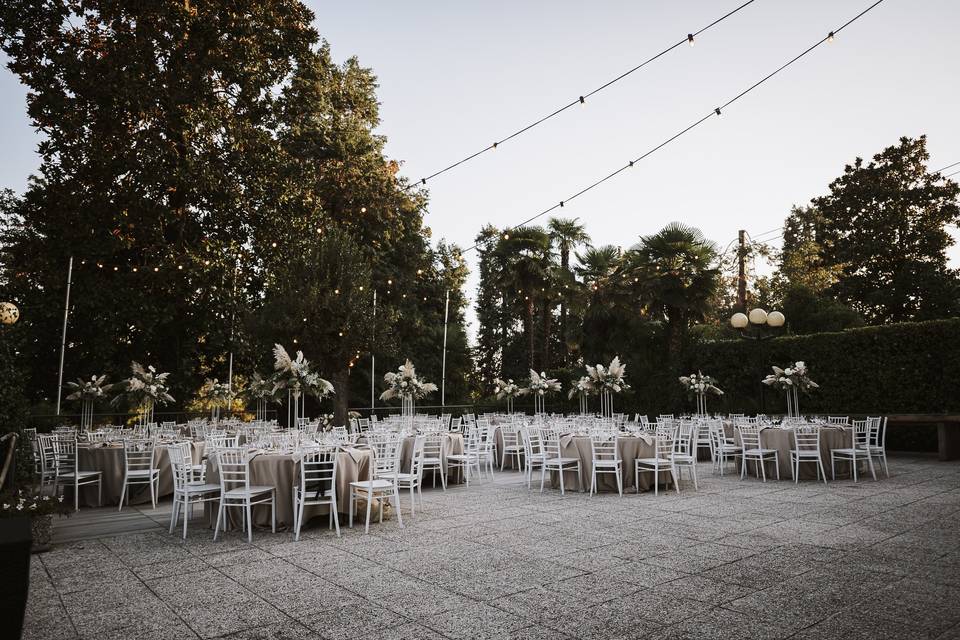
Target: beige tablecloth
783,441
108,460
283,471
630,448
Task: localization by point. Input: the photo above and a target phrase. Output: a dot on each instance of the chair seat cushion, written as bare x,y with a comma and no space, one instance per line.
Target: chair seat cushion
80,475
142,473
241,492
759,452
683,458
729,448
201,487
561,461
851,451
607,463
431,461
463,457
372,484
662,462
805,453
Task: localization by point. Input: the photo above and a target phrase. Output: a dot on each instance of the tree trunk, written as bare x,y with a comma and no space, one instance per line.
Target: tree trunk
547,327
531,350
565,265
341,398
675,327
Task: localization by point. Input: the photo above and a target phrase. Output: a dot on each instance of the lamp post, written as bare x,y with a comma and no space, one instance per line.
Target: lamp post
758,325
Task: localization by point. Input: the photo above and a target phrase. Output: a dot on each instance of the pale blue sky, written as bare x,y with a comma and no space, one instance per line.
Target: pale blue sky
454,76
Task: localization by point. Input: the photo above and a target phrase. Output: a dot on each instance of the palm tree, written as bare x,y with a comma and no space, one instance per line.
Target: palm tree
525,256
566,234
677,270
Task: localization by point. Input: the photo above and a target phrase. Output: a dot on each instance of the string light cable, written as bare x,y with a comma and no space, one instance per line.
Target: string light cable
690,38
715,112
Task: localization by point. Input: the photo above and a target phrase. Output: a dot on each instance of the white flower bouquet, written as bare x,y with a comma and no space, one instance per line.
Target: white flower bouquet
404,383
508,390
792,380
612,378
295,374
699,384
146,388
92,389
583,387
541,385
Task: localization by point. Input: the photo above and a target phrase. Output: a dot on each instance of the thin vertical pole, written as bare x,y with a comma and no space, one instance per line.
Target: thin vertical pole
233,313
373,358
443,375
742,271
63,340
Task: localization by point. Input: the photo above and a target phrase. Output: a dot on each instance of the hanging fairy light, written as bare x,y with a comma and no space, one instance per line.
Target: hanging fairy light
690,39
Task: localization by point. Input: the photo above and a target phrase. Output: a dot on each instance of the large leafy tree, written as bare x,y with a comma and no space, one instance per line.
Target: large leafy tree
882,227
188,149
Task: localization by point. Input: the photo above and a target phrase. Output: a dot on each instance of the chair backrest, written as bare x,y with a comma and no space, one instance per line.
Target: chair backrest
663,441
550,441
603,446
386,452
342,435
417,456
749,436
878,431
233,465
433,445
861,433
684,442
181,460
510,434
838,420
807,439
363,424
138,454
319,466
65,451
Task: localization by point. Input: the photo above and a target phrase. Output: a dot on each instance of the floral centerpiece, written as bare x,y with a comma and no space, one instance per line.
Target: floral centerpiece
216,393
508,390
146,388
791,380
262,390
699,385
406,385
582,387
295,375
540,385
88,392
608,381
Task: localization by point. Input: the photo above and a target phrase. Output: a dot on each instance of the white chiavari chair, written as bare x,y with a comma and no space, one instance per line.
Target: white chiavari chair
236,491
859,452
807,449
877,441
684,451
317,486
662,460
187,491
68,472
552,460
605,458
139,467
752,450
383,484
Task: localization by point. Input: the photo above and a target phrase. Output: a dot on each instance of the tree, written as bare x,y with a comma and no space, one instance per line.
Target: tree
883,227
676,269
566,234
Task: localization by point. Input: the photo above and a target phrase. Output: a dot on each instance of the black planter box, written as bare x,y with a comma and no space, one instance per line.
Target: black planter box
15,541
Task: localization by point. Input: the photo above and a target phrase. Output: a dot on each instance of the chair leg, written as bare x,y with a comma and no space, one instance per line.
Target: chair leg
560,471
186,516
396,497
352,506
216,529
336,515
833,467
776,463
153,491
273,511
249,511
173,513
543,475
123,492
369,509
676,481
822,471
763,468
693,470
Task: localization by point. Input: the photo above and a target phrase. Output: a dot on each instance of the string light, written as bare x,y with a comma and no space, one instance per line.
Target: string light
363,209
716,112
582,98
830,37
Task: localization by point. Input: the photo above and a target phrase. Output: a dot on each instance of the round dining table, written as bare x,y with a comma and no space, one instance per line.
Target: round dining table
782,440
107,458
282,471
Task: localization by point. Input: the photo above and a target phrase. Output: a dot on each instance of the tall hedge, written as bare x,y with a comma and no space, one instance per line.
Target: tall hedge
902,368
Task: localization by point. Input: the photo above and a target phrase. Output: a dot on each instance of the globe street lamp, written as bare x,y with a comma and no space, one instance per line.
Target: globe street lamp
758,325
9,313
759,321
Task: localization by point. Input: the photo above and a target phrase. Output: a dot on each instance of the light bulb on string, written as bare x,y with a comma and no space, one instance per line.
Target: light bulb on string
274,245
830,36
363,209
506,236
690,39
582,100
717,111
156,269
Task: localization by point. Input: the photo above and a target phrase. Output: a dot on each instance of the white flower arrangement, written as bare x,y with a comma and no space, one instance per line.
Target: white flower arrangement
699,384
146,387
612,378
792,377
260,388
295,374
89,390
583,386
216,391
541,385
508,389
404,383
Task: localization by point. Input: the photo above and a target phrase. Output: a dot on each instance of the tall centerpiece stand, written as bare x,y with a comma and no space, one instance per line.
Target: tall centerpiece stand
608,381
295,375
145,388
540,386
792,380
700,386
508,390
406,385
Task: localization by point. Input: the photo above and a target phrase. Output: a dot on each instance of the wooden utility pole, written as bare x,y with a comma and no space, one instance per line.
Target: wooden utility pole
742,271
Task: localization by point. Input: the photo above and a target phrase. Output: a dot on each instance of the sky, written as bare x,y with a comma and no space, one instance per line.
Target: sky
454,76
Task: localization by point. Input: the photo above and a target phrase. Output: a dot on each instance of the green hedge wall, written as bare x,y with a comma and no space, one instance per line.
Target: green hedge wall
901,368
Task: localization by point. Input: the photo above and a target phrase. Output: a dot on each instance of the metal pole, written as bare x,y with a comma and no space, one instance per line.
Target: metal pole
443,375
373,358
742,271
233,315
63,340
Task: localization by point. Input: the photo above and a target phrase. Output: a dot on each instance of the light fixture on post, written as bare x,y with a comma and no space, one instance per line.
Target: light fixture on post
758,325
9,313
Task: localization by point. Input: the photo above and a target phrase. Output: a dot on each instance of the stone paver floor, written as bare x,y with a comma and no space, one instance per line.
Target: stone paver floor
734,559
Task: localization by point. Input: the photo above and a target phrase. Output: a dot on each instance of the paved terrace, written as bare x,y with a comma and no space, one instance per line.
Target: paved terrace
735,559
